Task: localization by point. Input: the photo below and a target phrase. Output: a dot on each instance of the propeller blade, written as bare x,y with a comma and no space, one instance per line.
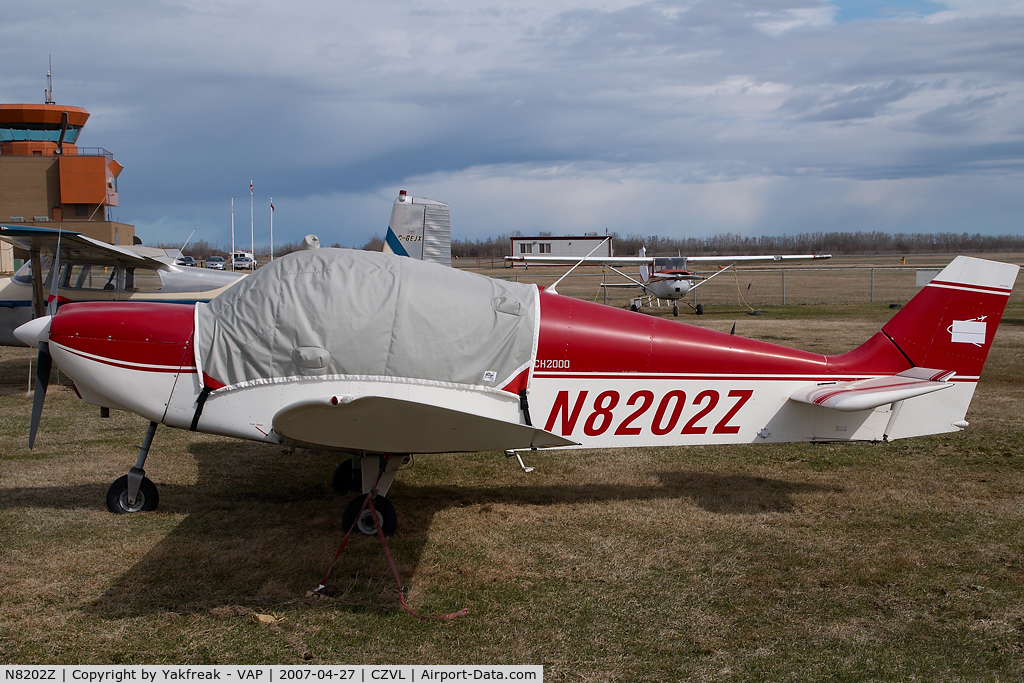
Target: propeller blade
43,364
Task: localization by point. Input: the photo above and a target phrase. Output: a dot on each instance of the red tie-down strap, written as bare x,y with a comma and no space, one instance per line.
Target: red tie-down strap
368,502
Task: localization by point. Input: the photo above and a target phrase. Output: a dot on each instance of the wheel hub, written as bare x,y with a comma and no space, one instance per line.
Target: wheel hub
366,525
140,502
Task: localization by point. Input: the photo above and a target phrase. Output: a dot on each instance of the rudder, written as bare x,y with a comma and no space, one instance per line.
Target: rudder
951,323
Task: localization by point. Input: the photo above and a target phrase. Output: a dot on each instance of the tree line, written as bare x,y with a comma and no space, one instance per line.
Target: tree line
809,243
852,243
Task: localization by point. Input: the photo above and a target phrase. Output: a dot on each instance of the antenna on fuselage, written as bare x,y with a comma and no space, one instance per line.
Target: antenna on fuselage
182,250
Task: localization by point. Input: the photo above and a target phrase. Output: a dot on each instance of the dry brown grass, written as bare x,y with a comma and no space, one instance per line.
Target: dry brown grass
858,562
838,281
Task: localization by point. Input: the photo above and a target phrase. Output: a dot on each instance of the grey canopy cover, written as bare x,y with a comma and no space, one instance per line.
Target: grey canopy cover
357,313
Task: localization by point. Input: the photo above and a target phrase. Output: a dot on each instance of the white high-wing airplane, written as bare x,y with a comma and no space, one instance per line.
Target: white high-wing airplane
670,280
379,357
91,270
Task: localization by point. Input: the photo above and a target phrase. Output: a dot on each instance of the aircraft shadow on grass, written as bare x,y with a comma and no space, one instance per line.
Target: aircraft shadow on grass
266,537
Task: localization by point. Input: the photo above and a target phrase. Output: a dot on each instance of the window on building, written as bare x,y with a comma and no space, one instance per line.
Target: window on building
525,248
545,248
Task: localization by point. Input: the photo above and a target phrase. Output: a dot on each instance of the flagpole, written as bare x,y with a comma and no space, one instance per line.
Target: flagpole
252,239
271,228
232,234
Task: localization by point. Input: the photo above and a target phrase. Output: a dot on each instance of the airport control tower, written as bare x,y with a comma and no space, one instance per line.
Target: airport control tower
48,181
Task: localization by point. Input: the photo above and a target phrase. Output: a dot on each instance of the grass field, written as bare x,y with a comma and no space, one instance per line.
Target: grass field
900,561
839,281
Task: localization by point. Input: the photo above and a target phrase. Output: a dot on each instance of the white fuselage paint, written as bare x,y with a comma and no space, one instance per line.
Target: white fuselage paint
595,410
606,410
665,288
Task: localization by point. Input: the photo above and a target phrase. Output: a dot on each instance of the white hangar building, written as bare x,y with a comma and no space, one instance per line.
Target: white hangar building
573,245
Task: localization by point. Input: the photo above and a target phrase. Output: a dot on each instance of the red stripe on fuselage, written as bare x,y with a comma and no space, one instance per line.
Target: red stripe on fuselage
141,367
591,338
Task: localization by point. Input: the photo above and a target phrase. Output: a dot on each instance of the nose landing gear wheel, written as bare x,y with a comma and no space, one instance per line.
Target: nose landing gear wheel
385,513
675,310
117,497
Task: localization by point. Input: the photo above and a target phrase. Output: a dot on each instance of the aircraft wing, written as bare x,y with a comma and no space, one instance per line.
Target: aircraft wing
868,394
389,425
651,260
594,260
77,247
778,257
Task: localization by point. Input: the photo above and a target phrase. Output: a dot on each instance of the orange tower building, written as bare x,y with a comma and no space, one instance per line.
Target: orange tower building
47,180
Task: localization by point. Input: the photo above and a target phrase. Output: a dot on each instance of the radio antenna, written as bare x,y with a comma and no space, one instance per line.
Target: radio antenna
49,83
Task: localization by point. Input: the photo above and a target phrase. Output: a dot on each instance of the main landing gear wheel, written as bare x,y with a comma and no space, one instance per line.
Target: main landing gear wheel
700,309
146,500
385,513
347,478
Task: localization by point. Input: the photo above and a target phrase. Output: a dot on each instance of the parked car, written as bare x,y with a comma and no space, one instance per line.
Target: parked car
243,259
185,261
216,262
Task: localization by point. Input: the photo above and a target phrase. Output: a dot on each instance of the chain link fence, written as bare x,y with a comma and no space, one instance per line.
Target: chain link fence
746,286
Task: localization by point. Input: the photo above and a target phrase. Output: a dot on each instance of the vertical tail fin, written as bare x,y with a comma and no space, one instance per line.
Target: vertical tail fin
645,271
950,324
419,228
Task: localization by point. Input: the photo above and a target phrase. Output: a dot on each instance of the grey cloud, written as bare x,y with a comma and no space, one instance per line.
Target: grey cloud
956,118
861,102
343,98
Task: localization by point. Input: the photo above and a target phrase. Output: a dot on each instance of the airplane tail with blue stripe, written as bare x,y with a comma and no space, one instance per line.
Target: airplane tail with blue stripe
421,229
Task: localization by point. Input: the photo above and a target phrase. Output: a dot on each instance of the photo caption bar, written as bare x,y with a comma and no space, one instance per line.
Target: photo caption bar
269,674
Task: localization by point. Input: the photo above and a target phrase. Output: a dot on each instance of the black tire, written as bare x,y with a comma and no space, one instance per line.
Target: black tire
634,308
385,511
117,497
700,309
675,310
347,478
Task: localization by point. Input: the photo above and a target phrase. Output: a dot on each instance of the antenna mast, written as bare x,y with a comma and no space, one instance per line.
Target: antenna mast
49,83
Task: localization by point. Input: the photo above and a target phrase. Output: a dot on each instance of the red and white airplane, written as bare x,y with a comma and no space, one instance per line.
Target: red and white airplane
661,277
380,356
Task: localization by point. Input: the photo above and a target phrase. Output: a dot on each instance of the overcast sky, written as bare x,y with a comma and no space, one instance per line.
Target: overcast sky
670,118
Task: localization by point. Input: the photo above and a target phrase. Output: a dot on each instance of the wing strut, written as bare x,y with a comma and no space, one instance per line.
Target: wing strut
38,303
724,268
578,263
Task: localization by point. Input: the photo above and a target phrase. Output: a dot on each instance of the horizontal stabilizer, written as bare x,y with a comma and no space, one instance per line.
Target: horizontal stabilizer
867,394
389,425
